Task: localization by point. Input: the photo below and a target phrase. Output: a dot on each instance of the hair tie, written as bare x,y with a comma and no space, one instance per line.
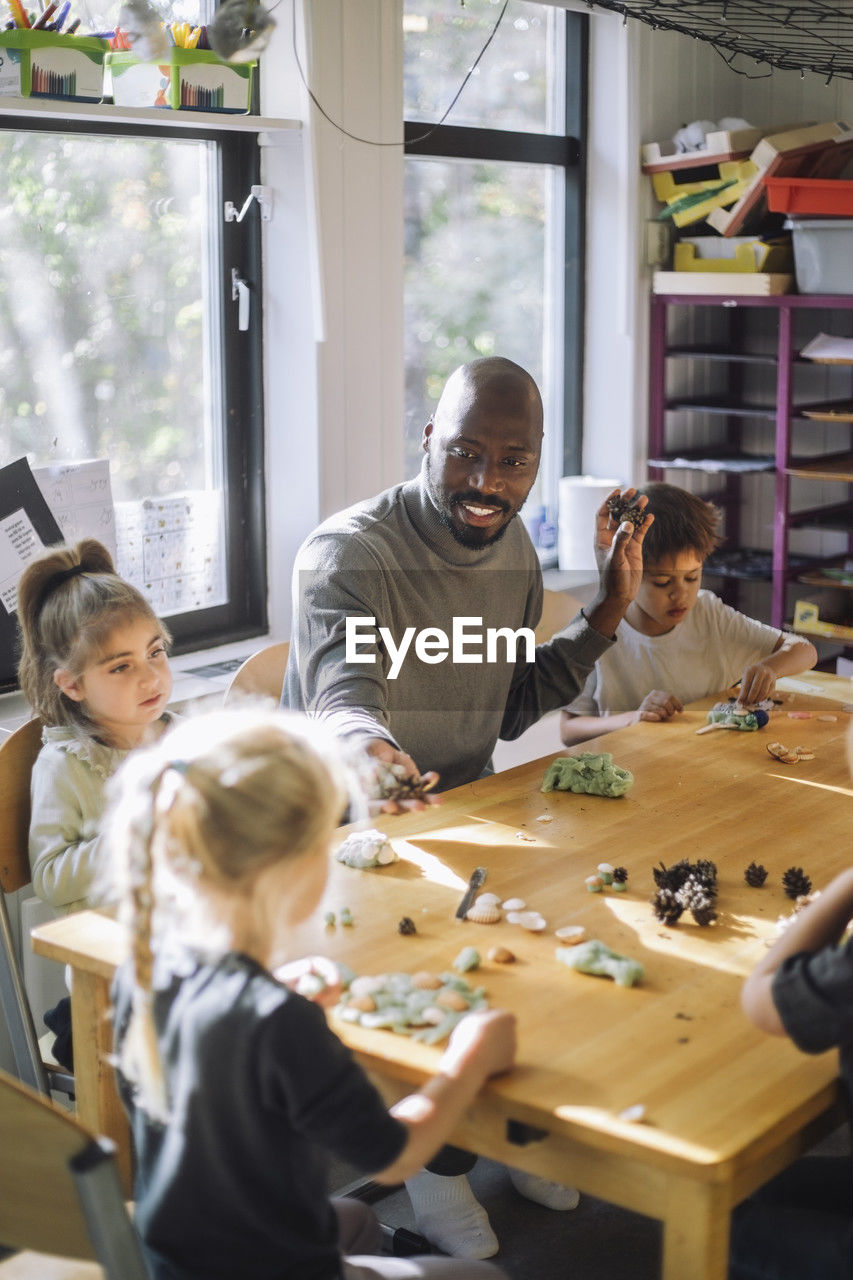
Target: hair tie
57,580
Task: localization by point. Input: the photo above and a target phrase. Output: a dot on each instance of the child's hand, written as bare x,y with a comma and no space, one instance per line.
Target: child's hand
658,705
756,683
483,1042
316,977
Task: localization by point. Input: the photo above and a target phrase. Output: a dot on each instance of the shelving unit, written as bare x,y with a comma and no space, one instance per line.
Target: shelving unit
105,113
740,409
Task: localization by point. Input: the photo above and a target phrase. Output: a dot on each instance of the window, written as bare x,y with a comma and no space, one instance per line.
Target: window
119,339
493,211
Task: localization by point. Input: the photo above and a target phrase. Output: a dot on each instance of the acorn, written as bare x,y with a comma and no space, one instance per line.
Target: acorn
755,875
796,883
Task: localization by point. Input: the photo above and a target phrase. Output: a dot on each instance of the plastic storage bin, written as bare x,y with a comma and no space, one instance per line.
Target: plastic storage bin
822,196
184,79
823,254
47,64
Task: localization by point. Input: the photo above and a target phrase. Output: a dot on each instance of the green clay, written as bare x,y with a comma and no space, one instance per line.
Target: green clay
596,958
588,774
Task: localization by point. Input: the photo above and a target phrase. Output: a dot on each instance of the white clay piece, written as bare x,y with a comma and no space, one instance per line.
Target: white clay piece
365,849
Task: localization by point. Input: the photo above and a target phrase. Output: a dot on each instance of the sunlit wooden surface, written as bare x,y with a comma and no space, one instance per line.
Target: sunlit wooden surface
725,1106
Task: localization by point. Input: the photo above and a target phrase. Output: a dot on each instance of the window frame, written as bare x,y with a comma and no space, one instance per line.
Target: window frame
565,150
241,373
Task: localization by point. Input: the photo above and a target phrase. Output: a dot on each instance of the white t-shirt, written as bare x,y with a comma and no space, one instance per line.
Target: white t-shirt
703,654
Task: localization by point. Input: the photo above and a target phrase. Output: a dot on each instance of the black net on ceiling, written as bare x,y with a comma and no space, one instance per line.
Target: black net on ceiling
754,35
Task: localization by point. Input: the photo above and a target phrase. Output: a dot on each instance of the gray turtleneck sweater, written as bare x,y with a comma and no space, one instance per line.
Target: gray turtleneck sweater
392,559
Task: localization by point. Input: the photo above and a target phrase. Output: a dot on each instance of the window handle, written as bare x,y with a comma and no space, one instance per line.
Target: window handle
241,294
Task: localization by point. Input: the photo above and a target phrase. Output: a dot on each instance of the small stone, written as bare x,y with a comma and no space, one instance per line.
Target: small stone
407,926
427,981
500,955
828,719
451,1000
346,916
329,918
468,958
365,1004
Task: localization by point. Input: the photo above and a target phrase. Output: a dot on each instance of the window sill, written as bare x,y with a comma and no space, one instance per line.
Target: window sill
106,113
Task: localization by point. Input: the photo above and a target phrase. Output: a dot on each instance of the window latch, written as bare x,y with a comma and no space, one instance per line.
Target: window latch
263,195
241,294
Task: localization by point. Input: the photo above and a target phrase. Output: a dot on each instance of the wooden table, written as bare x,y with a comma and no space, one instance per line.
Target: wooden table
725,1106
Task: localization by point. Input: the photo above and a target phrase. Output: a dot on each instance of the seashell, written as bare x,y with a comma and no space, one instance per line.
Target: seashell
426,981
804,754
366,1004
545,817
571,934
451,1000
594,884
780,752
514,904
367,984
828,719
514,917
493,898
483,913
532,921
633,1114
500,955
799,715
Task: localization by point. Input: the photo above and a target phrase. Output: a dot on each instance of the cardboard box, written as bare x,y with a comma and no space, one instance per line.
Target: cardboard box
808,620
45,64
184,80
814,151
729,284
741,254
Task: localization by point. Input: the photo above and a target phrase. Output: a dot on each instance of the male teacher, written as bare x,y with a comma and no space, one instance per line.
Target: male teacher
410,619
407,607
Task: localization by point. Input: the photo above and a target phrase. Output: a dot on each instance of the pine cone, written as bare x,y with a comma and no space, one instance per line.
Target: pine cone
667,909
704,914
620,875
796,883
708,870
621,510
755,875
406,926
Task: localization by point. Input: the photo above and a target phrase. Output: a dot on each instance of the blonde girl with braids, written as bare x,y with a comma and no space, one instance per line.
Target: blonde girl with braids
94,667
235,1086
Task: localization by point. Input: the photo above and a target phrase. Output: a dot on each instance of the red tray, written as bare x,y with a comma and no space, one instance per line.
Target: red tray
824,196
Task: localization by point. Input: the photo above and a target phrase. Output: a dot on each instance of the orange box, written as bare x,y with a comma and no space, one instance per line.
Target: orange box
822,196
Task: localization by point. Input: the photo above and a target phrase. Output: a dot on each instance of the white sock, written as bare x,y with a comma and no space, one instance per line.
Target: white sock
450,1216
553,1195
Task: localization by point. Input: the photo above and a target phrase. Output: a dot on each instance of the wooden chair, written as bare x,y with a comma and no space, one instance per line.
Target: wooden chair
558,609
17,756
60,1199
261,675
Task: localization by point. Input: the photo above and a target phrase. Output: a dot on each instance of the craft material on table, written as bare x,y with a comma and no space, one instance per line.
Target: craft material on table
475,882
363,849
734,715
596,958
587,773
424,1005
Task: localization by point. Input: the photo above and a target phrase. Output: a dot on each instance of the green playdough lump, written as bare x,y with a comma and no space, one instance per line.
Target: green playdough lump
597,958
587,773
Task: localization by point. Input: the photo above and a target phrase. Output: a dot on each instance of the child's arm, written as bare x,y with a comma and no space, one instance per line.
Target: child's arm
792,655
656,706
820,925
66,852
482,1045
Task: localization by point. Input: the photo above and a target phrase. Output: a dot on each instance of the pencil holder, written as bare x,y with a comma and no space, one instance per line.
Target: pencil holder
184,80
46,64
